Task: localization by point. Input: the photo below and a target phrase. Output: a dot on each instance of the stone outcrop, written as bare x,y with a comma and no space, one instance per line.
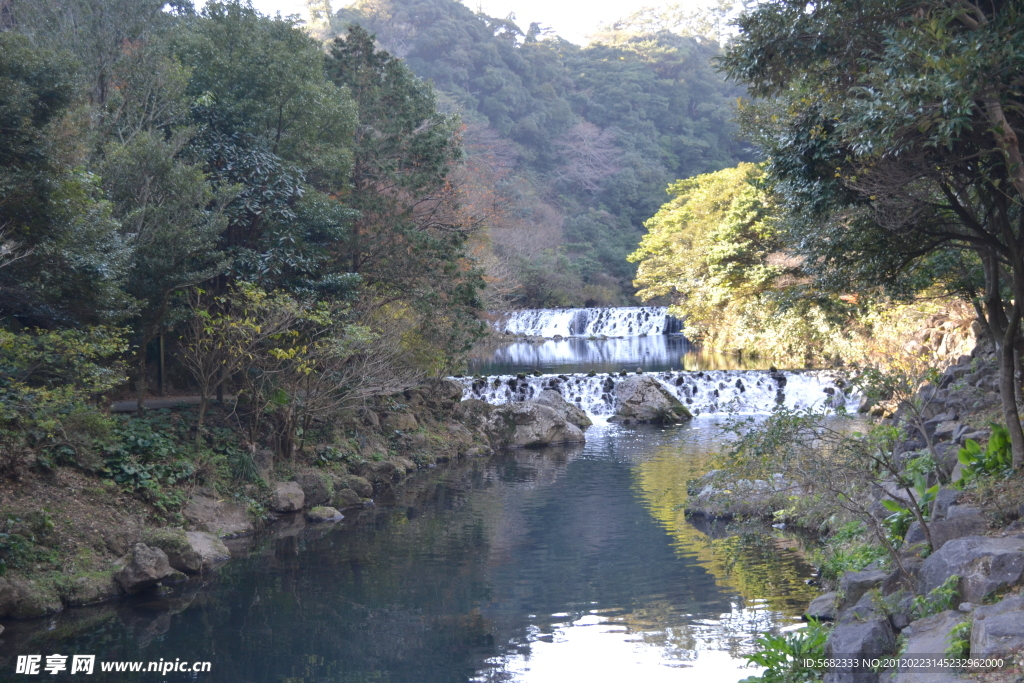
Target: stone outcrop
642,399
287,496
569,412
984,565
142,568
525,424
207,511
191,552
997,630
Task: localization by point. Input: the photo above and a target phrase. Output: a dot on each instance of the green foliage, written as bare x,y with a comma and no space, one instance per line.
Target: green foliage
141,457
960,641
939,599
899,521
995,460
783,655
22,541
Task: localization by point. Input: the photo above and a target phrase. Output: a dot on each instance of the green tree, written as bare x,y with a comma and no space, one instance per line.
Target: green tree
891,128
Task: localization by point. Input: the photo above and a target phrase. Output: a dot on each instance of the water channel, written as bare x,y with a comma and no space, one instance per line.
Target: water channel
555,565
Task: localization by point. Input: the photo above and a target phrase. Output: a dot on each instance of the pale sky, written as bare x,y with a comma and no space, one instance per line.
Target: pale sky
573,19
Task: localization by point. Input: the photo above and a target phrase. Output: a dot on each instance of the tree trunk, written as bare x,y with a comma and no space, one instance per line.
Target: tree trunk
141,384
1007,390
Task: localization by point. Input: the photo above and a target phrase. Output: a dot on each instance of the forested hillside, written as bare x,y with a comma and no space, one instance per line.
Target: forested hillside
569,148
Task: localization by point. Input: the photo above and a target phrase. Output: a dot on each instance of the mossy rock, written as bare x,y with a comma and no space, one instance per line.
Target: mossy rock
345,499
35,598
88,588
175,544
324,514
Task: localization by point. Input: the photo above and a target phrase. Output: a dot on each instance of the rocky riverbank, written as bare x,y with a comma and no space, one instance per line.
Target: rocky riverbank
73,536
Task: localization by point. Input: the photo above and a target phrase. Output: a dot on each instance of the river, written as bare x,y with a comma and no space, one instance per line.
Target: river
562,564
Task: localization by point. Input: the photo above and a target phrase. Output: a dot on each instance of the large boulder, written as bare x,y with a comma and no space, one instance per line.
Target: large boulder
224,518
857,640
360,485
324,514
953,527
191,552
287,496
822,608
568,411
641,398
143,568
853,585
401,422
530,424
345,499
314,489
998,630
930,636
984,565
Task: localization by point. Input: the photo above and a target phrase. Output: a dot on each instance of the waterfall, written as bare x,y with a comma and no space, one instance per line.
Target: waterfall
626,321
706,392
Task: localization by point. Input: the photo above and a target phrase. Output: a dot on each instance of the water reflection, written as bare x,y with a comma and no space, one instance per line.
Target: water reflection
549,565
653,353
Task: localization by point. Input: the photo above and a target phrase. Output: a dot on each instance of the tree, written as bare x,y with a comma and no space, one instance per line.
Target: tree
892,131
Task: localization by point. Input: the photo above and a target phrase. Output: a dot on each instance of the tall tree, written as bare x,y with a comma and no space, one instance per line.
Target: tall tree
893,130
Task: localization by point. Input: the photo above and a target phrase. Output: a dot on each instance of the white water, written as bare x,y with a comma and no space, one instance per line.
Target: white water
743,392
631,321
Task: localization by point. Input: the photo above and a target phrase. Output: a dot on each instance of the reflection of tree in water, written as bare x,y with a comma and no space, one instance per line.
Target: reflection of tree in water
766,569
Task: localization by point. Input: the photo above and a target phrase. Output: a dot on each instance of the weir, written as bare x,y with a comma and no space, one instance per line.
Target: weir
744,392
624,321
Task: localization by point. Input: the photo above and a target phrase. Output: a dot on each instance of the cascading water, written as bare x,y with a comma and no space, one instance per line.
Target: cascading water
707,392
627,321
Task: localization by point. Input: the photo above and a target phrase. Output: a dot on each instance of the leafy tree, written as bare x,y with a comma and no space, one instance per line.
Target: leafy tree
891,128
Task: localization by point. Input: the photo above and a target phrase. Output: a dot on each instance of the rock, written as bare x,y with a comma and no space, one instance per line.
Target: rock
209,550
287,497
361,486
997,630
176,546
568,411
943,500
346,498
958,526
925,677
478,451
822,608
853,585
530,424
33,598
962,511
930,636
864,610
264,461
324,514
856,640
944,431
897,581
89,589
8,597
206,511
314,490
142,569
984,565
402,422
643,399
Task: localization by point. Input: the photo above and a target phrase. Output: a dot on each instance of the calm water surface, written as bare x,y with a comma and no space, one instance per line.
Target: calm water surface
553,565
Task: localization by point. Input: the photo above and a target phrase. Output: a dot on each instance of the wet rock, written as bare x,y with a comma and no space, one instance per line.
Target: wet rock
314,490
530,424
346,498
997,630
324,514
853,585
643,399
206,511
142,568
822,608
569,412
984,565
478,451
33,598
287,497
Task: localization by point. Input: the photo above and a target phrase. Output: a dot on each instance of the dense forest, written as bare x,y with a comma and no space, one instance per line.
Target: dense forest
568,149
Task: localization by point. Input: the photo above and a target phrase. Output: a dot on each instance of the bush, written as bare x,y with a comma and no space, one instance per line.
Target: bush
996,459
783,656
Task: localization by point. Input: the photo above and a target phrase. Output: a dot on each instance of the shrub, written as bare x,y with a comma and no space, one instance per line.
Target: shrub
783,656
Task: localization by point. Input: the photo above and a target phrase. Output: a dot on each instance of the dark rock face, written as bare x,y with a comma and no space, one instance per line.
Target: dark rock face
997,630
856,640
313,488
853,585
142,569
983,564
287,497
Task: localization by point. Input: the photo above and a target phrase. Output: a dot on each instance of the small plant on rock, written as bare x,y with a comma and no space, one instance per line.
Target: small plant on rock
995,459
784,656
